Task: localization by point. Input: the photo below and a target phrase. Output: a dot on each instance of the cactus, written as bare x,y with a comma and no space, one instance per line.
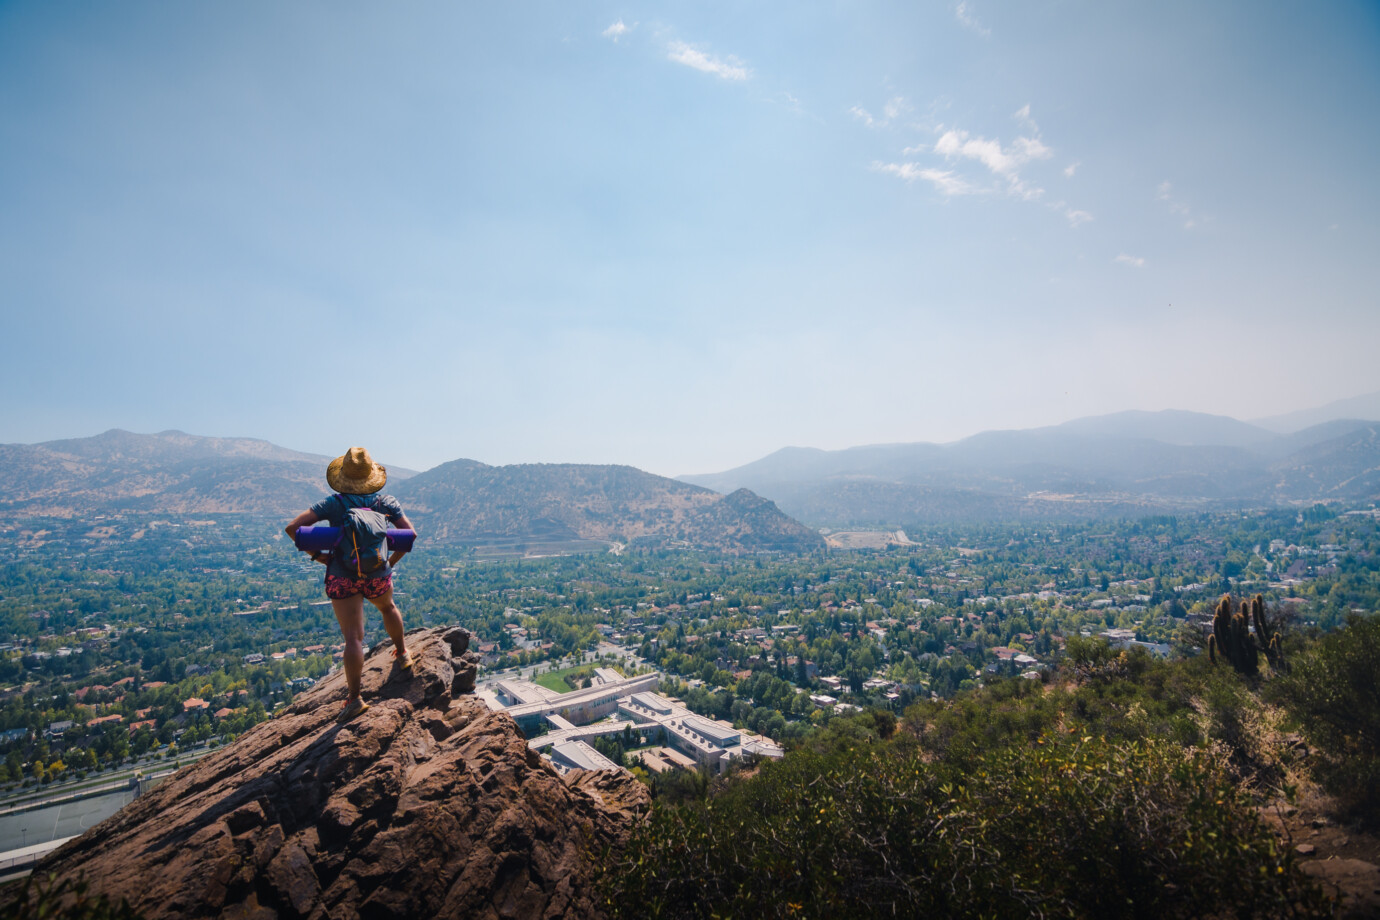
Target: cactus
1233,639
1267,637
1231,636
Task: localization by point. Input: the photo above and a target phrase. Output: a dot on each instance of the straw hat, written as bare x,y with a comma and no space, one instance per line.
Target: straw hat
356,473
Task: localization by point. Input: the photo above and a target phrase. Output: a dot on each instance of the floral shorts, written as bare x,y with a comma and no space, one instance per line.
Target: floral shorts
339,587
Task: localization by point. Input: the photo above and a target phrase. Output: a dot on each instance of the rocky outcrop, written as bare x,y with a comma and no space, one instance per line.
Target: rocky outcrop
426,805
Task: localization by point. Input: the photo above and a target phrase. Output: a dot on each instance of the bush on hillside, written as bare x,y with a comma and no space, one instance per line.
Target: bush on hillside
1248,730
1071,826
48,898
1334,691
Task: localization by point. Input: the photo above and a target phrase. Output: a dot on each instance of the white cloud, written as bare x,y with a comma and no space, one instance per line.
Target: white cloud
956,143
729,68
1004,163
863,115
965,16
1023,116
1031,148
1164,193
789,101
1074,216
907,171
1133,261
1019,189
1070,169
989,153
616,31
947,182
894,108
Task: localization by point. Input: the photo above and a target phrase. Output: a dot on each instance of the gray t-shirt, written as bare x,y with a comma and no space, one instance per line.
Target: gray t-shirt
332,509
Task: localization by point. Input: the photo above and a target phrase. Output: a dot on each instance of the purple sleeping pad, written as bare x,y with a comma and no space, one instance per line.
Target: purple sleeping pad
322,538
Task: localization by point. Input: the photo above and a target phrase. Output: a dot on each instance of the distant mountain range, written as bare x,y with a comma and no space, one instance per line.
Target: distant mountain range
502,510
1362,407
1129,463
1126,464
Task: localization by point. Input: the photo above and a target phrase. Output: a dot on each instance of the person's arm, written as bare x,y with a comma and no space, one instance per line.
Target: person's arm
306,519
403,524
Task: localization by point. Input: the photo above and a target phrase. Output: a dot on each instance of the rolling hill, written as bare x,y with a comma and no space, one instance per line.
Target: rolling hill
169,472
1125,464
505,509
552,504
1366,406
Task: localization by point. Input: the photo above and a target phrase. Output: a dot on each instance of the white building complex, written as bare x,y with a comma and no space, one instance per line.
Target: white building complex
561,725
534,707
709,742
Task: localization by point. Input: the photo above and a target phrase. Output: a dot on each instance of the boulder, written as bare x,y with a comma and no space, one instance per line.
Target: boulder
428,804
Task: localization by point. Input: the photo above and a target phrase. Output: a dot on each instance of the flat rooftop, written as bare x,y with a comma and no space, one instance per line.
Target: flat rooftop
722,735
581,756
653,702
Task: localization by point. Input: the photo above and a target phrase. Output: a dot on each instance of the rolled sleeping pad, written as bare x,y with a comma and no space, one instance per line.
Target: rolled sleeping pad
321,538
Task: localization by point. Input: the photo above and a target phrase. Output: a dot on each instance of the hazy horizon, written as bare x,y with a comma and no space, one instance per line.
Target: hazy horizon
680,237
393,460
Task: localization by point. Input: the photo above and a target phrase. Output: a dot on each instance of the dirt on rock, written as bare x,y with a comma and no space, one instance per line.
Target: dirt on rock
1344,860
428,804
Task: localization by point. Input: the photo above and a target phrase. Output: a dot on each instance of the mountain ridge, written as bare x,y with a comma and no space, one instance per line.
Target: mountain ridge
521,508
558,502
170,472
1125,463
1366,406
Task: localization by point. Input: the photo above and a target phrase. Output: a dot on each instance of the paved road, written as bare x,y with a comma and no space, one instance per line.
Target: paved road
26,798
65,820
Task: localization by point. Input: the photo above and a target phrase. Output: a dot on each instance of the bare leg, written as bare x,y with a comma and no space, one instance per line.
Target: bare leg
349,612
392,620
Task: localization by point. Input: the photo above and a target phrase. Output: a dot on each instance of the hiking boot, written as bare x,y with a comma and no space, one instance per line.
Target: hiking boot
404,660
353,707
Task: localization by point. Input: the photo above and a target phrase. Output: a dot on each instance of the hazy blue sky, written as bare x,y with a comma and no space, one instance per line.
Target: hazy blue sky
680,235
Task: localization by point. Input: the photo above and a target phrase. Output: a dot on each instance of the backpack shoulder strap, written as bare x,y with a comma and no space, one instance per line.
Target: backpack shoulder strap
351,501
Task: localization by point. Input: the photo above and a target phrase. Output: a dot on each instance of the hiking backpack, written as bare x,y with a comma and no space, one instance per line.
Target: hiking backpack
363,544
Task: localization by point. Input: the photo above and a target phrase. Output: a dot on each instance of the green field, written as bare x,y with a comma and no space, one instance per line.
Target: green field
555,680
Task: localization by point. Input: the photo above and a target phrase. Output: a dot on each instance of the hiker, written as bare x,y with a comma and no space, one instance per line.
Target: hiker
350,579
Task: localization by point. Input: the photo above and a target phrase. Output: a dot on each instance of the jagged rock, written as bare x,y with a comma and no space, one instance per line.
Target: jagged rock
426,805
1354,883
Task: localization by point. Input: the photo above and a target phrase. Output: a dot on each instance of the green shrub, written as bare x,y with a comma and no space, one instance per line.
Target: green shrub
850,730
675,786
1333,689
1067,826
46,898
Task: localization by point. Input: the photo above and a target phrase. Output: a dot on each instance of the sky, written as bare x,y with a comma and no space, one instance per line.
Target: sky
679,235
